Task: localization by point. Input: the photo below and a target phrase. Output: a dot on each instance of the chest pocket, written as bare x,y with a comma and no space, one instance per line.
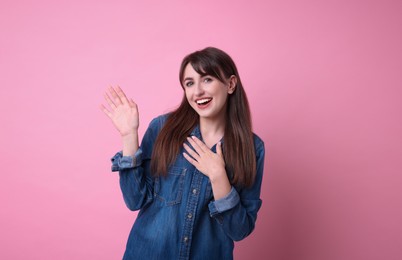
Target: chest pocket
169,189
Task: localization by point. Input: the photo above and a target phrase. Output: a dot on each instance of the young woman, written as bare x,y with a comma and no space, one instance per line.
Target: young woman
196,178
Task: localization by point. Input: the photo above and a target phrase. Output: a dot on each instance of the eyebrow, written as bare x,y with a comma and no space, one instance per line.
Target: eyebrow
188,78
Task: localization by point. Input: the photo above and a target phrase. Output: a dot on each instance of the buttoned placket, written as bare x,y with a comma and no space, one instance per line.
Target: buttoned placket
190,212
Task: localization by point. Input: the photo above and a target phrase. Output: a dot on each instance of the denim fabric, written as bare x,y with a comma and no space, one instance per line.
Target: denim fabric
178,217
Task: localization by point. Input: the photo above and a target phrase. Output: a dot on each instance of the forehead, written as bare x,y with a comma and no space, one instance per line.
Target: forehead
189,72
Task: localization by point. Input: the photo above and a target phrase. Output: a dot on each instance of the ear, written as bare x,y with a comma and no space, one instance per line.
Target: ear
232,84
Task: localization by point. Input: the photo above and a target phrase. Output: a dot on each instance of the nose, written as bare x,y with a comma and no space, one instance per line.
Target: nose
199,90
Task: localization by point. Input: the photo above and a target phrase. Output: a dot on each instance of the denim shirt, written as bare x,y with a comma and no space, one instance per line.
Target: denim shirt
178,217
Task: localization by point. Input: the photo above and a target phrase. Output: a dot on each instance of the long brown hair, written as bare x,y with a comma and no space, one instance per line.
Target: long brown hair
238,146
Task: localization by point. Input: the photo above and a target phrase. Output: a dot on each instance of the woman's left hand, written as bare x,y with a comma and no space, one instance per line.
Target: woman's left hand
209,163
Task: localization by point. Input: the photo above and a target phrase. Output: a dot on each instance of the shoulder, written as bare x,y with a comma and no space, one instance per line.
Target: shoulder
258,143
152,133
259,147
158,122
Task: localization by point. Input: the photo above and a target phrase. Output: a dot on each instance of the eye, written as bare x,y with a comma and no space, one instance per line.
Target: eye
188,83
207,79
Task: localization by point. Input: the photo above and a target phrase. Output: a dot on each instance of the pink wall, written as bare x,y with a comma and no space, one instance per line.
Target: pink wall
323,78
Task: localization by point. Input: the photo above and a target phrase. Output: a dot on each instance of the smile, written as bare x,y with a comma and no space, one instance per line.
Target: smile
203,101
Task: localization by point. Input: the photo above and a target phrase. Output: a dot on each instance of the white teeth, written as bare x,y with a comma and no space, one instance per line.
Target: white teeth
204,100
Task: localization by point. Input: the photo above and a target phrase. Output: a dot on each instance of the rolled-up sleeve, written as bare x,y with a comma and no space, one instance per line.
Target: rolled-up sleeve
225,203
120,162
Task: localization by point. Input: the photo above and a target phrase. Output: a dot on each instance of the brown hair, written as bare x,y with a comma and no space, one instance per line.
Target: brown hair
238,146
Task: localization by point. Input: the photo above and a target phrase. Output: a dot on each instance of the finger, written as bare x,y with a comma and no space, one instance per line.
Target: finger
190,160
196,144
219,149
104,109
193,153
132,103
121,95
109,101
116,98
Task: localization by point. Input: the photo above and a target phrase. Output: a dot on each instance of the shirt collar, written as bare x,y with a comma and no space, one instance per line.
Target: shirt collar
197,133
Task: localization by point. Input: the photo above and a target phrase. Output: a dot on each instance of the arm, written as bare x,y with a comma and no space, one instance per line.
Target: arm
133,162
136,182
237,211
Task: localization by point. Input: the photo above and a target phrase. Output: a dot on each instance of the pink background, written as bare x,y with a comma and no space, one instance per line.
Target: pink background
323,79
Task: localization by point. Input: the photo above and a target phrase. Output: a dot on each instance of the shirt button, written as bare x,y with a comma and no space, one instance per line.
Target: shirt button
185,239
189,215
194,191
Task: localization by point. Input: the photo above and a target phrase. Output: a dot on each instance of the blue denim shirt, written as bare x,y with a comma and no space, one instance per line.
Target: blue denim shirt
179,218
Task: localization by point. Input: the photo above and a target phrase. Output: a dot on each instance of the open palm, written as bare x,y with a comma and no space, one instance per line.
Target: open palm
123,112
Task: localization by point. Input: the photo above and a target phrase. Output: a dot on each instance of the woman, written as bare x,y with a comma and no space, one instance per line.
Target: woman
196,177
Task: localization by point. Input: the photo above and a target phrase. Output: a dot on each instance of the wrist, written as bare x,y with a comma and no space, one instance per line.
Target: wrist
130,144
219,176
129,136
220,185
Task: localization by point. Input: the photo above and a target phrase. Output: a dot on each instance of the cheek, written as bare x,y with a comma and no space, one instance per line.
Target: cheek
187,93
223,94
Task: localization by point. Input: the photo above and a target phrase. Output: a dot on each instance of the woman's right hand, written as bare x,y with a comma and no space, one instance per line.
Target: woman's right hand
123,113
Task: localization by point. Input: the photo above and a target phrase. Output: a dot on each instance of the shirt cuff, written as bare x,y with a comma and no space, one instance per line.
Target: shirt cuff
120,162
225,203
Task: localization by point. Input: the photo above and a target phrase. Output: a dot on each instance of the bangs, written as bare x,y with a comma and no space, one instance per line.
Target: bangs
205,67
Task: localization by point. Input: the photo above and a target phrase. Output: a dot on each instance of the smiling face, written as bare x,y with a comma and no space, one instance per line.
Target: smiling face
206,94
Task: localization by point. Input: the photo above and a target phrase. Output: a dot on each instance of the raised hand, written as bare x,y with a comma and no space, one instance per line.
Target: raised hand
123,112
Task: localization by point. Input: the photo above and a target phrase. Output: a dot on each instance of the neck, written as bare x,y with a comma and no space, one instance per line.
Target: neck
212,130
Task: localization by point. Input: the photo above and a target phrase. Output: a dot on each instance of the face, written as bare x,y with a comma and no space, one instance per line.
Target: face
206,94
